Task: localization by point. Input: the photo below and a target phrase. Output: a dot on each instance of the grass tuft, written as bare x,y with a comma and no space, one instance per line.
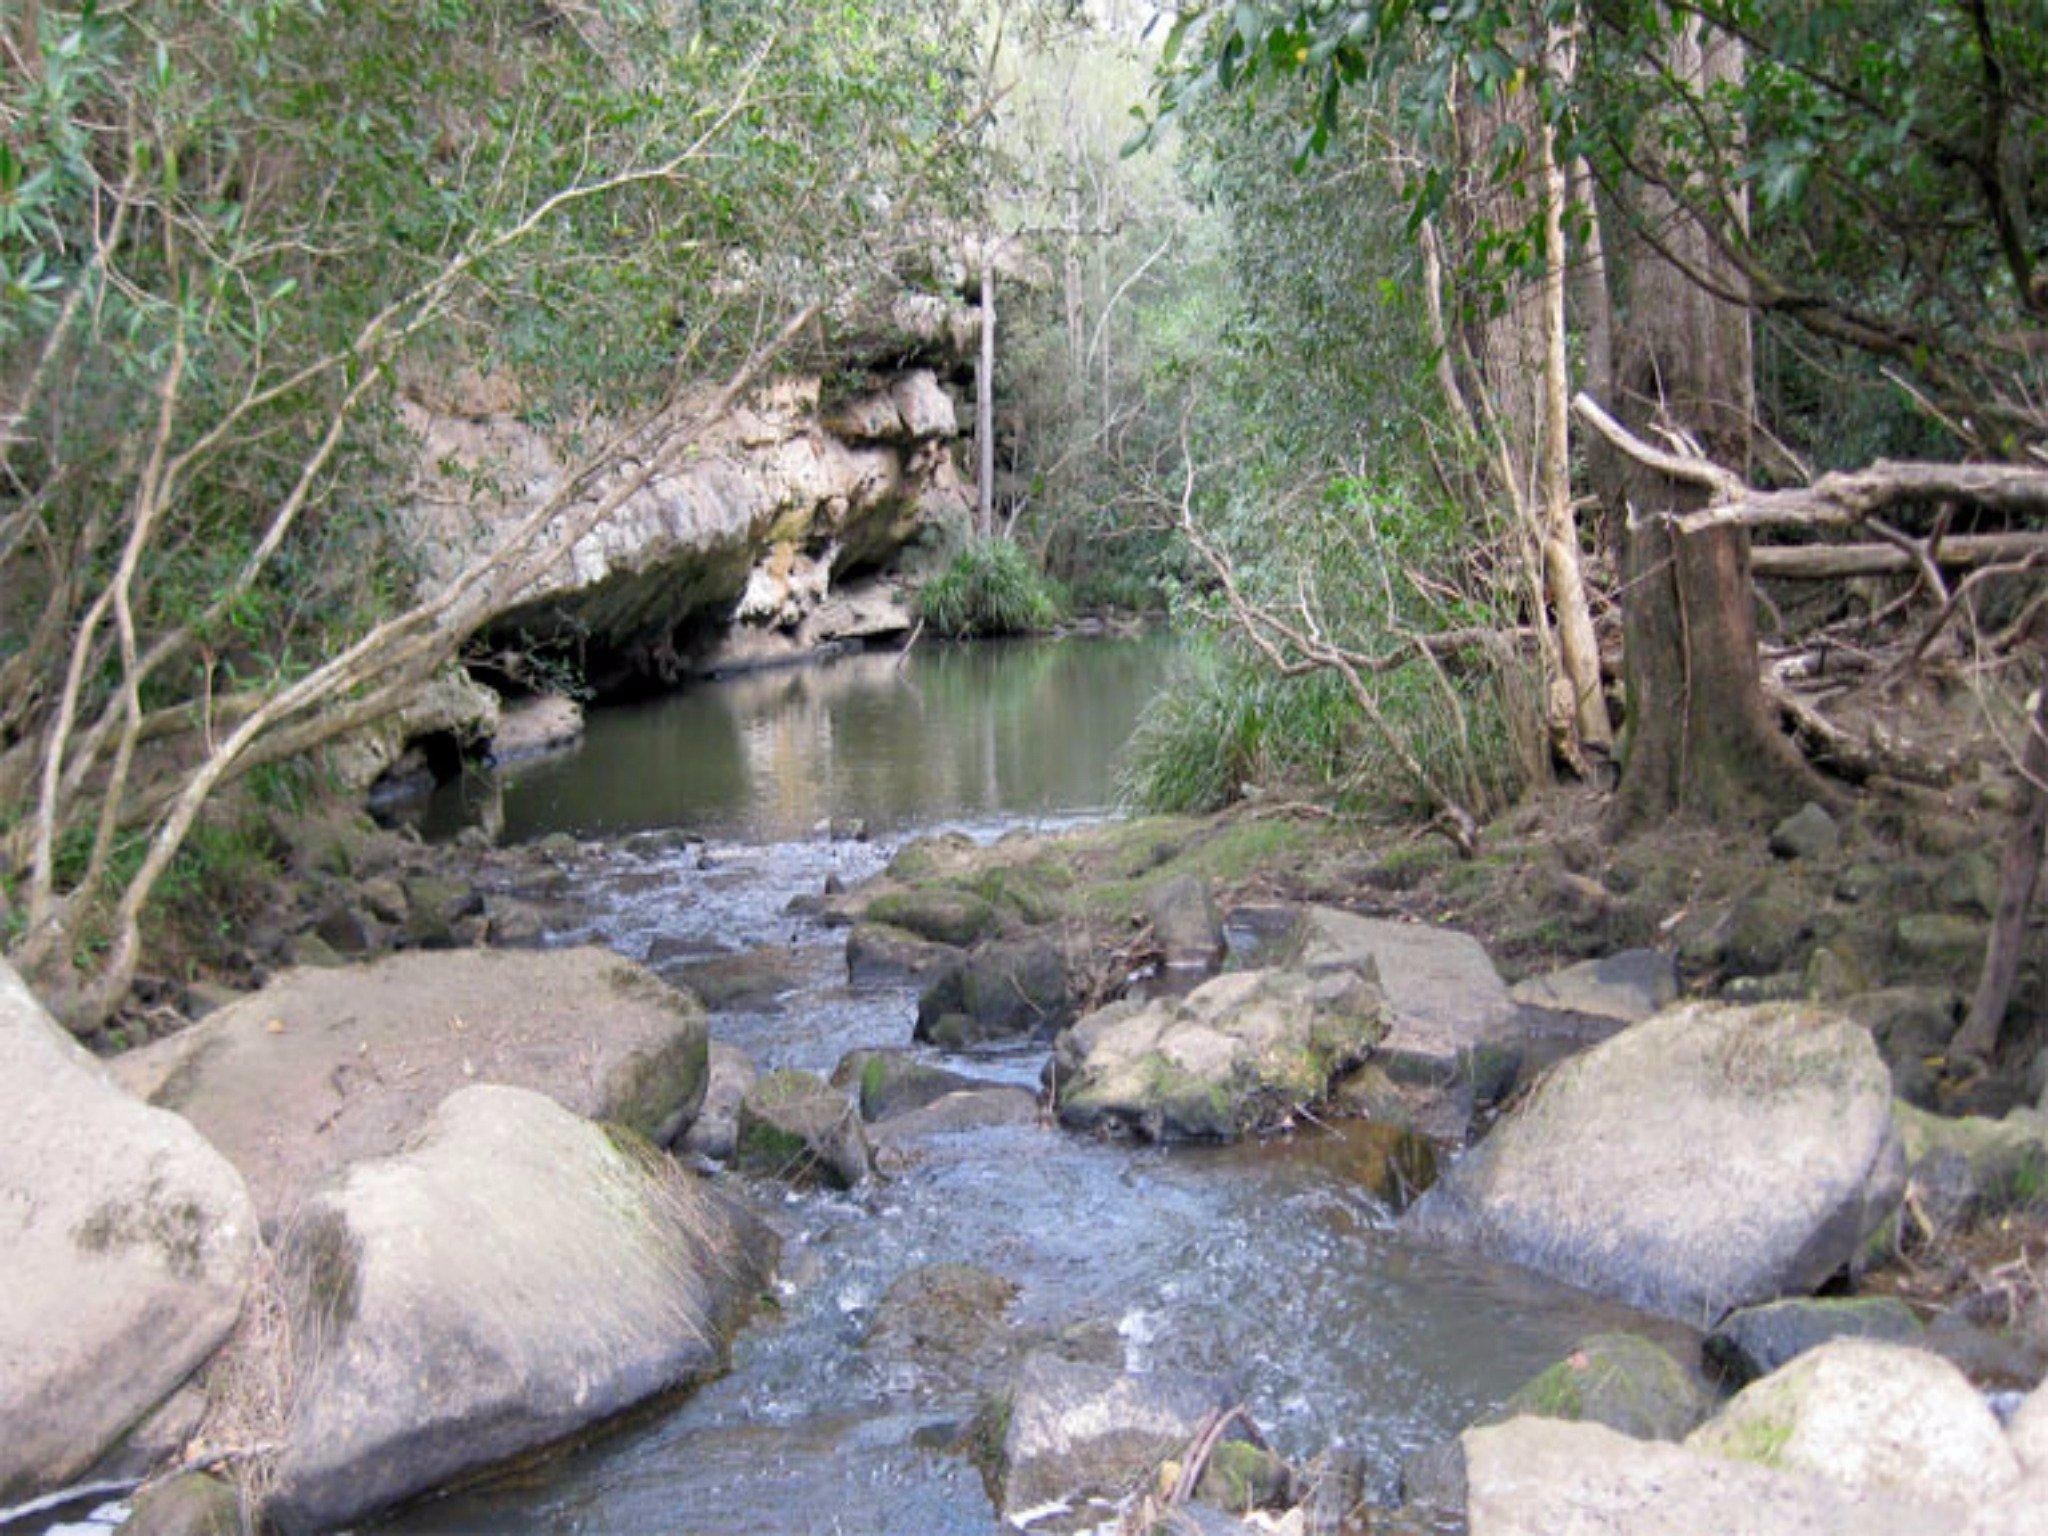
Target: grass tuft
990,589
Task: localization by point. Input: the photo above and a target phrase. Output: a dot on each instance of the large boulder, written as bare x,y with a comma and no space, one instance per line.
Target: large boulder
1079,1431
1005,991
1547,1477
2028,1433
938,914
879,955
126,1244
971,1109
323,1068
1708,1158
1238,1053
1444,998
795,1126
1874,1417
755,980
516,1275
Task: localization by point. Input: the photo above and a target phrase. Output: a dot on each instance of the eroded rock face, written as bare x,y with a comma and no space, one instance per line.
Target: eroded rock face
1873,1417
1708,1158
1240,1052
326,1067
515,1275
770,510
126,1244
536,726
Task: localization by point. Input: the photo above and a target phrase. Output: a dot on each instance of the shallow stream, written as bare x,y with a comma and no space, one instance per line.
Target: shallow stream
1270,1264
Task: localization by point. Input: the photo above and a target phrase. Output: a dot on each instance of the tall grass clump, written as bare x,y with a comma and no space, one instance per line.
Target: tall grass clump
990,588
1227,724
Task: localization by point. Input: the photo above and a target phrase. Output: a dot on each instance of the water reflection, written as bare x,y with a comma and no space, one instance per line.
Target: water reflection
948,731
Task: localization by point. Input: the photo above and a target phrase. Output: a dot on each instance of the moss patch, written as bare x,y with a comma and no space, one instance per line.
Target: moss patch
172,1225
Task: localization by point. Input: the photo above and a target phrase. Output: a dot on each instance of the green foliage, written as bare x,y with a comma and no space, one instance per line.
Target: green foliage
245,243
990,588
1225,723
1874,168
1229,723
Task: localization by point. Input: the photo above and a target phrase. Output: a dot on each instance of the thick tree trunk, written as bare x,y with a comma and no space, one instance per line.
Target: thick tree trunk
1701,738
985,403
2018,877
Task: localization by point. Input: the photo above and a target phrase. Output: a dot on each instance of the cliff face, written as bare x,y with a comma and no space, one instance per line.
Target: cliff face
784,503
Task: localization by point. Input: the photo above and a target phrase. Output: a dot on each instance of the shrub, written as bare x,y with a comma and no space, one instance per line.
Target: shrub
990,588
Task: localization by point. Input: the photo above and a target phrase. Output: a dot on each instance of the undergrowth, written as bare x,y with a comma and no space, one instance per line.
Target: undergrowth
1226,724
991,588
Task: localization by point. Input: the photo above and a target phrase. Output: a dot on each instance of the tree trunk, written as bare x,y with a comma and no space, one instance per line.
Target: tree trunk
1578,647
985,402
1075,295
2019,875
1701,738
1525,391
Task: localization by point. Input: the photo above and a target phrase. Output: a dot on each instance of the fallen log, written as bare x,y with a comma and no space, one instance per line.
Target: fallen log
1831,562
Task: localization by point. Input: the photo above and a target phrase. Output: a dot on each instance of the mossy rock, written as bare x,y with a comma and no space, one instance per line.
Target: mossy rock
2007,1160
1242,1477
930,857
1940,939
938,913
1000,992
795,1126
434,903
1617,1379
191,1504
1896,1421
1033,894
889,1082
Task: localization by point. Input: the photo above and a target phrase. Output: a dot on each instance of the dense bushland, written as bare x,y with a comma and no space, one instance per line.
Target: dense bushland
233,236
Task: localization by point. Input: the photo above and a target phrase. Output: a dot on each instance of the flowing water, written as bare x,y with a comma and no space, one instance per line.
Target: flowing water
1272,1264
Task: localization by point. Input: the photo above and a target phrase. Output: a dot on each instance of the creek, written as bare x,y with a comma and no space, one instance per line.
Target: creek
1270,1264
